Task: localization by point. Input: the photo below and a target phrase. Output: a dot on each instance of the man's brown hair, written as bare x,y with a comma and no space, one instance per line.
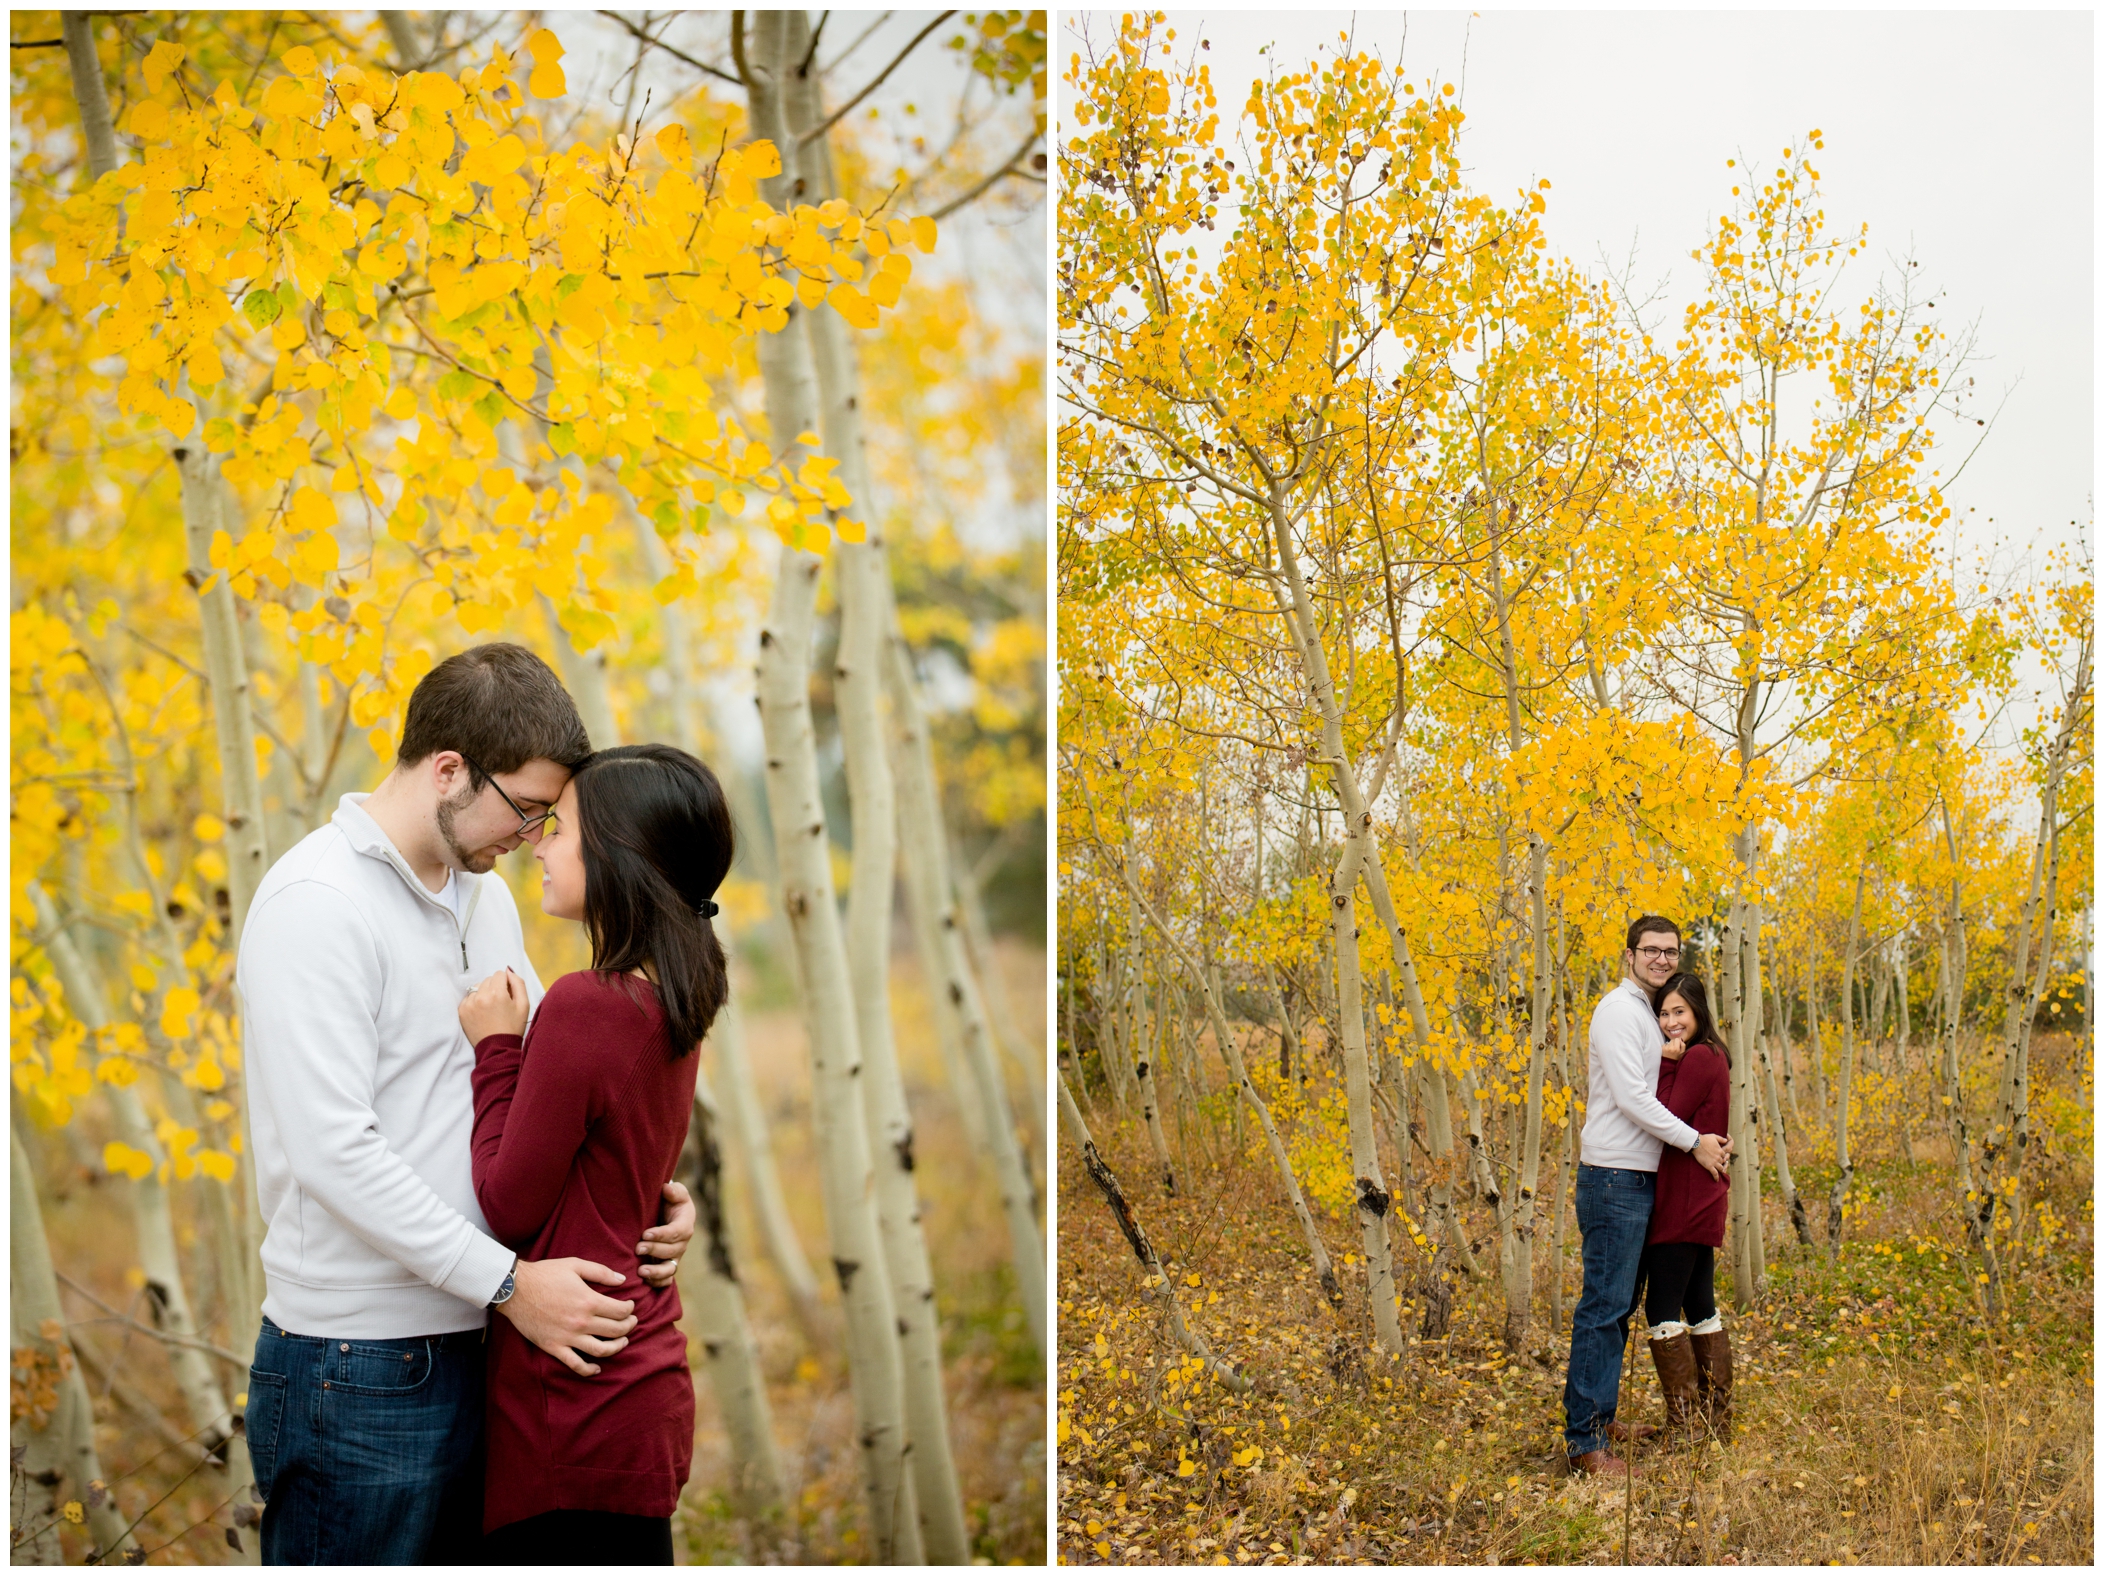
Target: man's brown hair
1648,925
500,706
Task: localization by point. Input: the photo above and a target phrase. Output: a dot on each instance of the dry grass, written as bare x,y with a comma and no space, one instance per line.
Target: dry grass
1883,1418
994,1378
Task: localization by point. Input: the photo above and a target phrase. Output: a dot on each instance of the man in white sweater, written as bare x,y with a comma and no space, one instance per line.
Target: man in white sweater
1625,1130
365,1402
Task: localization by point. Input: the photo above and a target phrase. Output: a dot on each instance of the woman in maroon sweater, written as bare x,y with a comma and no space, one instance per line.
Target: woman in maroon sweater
1688,1343
576,1125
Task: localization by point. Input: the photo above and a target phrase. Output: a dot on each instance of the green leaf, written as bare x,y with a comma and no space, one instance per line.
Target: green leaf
491,407
568,285
457,385
262,307
562,438
289,294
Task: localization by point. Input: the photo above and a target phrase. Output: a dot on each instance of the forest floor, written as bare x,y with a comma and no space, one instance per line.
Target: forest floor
993,1375
1883,1418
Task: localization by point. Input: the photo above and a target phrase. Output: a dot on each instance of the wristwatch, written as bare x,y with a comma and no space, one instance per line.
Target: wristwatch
511,1284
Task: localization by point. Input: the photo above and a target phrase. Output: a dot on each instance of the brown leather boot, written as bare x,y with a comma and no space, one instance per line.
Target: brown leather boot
1674,1357
1595,1463
1713,1380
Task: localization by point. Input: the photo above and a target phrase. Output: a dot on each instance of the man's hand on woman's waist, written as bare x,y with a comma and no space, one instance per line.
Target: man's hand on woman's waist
664,1244
554,1307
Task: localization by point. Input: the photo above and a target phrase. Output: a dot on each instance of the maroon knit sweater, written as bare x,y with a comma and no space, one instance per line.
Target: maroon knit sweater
576,1131
1690,1204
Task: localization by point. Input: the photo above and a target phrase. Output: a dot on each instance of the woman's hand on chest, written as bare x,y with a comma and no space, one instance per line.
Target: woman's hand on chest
496,1006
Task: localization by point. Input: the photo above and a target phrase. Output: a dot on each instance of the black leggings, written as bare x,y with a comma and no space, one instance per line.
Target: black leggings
585,1539
1678,1282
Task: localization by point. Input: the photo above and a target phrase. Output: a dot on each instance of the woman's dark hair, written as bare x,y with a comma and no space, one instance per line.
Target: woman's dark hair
1688,987
657,841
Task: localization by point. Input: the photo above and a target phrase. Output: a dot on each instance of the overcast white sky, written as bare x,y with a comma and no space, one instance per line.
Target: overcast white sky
1964,139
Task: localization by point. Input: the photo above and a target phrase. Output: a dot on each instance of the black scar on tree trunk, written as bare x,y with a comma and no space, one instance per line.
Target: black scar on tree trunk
1107,1183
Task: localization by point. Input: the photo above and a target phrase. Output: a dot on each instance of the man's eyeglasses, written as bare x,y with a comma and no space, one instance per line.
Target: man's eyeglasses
532,824
1657,954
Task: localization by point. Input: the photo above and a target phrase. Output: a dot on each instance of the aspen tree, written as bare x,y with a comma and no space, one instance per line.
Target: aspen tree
757,1486
1158,1281
1296,1200
1845,1178
168,1300
52,1423
959,1009
794,805
861,577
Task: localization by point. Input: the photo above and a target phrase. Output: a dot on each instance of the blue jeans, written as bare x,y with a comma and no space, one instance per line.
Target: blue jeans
367,1452
1614,1215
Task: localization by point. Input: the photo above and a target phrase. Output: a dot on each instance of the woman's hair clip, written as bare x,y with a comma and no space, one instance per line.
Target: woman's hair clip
707,908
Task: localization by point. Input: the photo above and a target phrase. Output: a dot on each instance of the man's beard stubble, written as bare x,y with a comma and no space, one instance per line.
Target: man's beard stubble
474,864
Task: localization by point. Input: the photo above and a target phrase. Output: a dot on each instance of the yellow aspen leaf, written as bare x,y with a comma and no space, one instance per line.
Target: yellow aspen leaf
178,416
208,1074
310,510
177,1008
923,231
149,120
547,82
673,144
300,61
121,1159
143,978
289,332
1186,1467
401,404
216,1164
162,59
853,305
314,558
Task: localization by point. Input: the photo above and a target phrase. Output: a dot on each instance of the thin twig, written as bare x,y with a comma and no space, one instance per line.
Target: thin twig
1007,168
874,82
676,54
147,1329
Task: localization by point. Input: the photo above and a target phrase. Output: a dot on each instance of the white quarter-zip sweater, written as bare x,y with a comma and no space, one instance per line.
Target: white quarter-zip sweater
1625,1125
361,1106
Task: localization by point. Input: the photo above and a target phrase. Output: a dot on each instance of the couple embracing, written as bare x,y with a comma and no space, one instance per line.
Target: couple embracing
1652,1193
469,1351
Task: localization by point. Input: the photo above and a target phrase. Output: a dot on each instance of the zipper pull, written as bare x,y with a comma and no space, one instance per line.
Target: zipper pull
463,954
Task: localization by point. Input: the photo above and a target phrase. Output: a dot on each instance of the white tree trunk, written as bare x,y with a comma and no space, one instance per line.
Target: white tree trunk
757,1488
1370,1191
167,1299
1159,1284
1846,1077
861,577
752,1150
744,1119
1318,1255
803,859
960,1010
65,1445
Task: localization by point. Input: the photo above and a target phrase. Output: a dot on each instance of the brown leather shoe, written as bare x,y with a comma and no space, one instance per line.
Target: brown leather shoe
1596,1463
1674,1357
1713,1380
